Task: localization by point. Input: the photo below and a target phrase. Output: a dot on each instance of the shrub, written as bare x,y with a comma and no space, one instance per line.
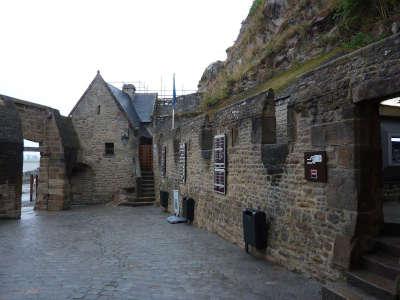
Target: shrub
359,40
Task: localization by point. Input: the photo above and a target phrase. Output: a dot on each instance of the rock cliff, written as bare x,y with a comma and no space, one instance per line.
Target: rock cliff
280,37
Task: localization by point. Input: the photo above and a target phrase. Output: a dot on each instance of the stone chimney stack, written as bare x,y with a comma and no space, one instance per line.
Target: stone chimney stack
129,89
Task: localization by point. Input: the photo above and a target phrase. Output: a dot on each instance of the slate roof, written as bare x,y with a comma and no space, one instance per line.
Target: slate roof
125,101
144,106
140,109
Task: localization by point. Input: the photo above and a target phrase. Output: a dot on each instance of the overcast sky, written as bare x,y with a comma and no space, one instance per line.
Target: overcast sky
51,49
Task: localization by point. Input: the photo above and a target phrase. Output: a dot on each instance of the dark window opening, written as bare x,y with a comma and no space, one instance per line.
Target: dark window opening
109,148
394,150
234,136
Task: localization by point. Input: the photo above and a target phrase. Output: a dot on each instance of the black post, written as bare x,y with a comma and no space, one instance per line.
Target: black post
31,188
36,186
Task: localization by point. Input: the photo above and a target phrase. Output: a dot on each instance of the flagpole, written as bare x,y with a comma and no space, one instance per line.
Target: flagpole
173,118
173,103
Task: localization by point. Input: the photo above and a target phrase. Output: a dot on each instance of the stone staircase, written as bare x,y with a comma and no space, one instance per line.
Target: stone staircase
146,195
378,274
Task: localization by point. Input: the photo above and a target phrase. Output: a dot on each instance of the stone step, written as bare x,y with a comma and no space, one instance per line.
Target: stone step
147,195
343,291
388,244
373,284
148,185
135,204
147,181
145,199
382,264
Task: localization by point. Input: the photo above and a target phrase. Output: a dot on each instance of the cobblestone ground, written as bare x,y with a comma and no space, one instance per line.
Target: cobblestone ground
131,253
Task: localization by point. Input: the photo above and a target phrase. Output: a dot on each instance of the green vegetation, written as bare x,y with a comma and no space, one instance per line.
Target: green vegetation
357,20
274,59
255,6
359,40
277,83
355,10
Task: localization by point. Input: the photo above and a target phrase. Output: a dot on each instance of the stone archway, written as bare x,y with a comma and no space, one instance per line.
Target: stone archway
57,144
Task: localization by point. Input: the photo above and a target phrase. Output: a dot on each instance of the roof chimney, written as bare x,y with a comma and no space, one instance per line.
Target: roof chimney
129,89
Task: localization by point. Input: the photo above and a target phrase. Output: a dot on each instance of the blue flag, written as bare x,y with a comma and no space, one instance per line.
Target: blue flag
173,93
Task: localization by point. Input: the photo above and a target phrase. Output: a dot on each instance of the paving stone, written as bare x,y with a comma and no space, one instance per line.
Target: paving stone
100,252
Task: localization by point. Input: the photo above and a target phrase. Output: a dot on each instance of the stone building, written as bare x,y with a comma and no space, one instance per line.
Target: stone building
323,220
101,152
115,140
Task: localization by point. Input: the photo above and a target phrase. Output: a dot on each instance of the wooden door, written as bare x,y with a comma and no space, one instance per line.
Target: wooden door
146,157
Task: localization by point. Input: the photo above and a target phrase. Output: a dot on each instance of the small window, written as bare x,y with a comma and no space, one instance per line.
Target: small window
234,136
98,109
109,148
394,150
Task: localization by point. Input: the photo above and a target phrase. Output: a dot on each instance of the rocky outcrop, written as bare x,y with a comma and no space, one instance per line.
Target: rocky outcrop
210,74
279,35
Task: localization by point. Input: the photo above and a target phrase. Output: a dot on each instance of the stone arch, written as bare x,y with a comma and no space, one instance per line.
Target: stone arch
57,145
41,124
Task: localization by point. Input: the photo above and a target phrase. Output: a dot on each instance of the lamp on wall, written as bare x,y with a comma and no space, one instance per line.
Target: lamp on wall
125,137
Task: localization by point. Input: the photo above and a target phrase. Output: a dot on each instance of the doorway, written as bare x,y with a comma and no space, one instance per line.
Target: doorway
389,112
30,175
146,154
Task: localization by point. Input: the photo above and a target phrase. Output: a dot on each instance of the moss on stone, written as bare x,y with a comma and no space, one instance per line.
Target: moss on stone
277,83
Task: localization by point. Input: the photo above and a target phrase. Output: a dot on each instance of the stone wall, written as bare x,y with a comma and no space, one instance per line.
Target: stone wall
184,104
11,144
82,184
111,173
335,108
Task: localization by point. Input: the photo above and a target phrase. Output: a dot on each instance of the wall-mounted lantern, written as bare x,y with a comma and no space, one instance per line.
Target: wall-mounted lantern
125,137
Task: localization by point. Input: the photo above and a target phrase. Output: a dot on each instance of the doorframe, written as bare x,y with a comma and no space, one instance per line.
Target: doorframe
366,98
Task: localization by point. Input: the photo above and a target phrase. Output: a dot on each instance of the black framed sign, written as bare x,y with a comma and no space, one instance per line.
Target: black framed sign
220,164
315,166
182,162
164,161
